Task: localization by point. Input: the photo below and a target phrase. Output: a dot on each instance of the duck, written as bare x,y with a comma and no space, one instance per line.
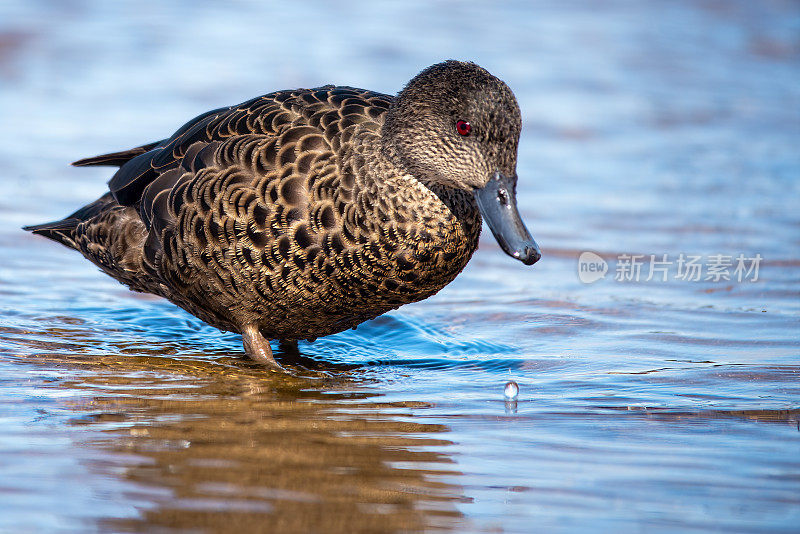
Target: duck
302,213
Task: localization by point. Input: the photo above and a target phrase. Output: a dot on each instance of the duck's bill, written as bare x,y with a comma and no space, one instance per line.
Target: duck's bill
497,203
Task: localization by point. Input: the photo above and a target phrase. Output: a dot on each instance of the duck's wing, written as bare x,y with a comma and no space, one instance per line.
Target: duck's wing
197,190
327,108
139,171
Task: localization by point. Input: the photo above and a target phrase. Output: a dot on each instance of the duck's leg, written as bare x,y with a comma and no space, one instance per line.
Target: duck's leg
257,346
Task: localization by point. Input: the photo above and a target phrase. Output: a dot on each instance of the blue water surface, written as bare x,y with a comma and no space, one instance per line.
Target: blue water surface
650,128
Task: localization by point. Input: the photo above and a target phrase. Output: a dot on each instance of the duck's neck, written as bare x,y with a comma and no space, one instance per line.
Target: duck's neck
423,233
375,164
390,153
389,191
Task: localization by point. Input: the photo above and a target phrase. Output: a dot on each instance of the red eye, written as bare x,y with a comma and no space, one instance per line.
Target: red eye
463,128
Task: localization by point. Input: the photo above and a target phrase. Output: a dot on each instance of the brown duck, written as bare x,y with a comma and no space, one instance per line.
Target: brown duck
302,213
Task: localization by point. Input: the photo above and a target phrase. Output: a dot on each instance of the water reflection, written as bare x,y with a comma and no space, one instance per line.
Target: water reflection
215,443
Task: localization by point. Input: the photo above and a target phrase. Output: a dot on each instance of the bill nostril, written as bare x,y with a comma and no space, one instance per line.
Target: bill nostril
502,196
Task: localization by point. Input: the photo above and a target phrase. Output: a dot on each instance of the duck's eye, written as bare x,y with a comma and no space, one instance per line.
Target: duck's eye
463,127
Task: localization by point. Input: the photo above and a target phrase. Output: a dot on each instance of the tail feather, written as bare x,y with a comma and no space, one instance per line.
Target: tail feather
63,230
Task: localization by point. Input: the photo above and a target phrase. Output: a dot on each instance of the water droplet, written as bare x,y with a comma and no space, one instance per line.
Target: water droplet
511,390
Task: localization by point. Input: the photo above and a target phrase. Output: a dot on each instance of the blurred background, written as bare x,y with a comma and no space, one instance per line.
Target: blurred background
649,128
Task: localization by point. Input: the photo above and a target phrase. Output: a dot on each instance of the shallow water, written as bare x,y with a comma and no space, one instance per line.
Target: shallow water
644,406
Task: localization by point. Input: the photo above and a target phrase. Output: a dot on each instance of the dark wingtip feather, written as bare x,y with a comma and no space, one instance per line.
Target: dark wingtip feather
105,160
115,159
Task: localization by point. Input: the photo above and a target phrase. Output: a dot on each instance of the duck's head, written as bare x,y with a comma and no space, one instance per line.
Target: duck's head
456,125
